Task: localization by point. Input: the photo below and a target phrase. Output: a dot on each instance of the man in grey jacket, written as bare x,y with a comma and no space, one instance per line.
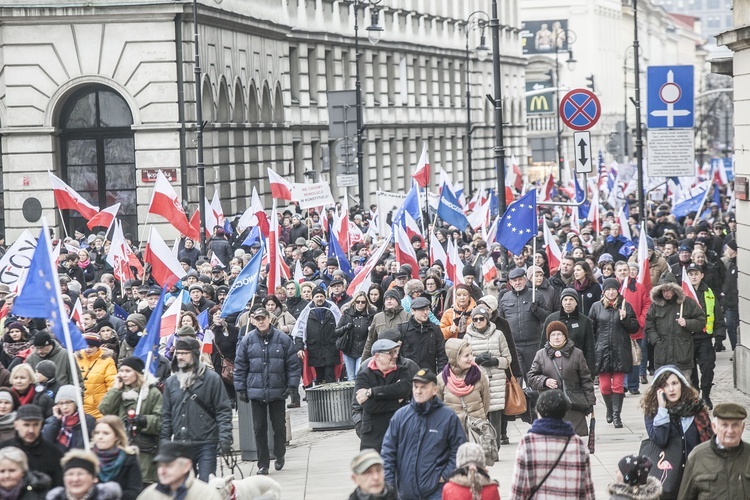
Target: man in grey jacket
196,408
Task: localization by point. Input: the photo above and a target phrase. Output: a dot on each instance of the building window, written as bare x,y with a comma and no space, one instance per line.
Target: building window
713,22
712,4
98,153
330,71
294,73
376,79
312,74
390,71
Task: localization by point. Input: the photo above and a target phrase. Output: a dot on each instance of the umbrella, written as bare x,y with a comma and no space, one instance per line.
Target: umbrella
592,434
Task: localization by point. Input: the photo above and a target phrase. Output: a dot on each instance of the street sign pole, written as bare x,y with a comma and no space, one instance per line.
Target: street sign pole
638,132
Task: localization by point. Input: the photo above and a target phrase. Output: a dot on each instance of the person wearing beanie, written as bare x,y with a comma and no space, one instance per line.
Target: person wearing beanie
46,348
134,325
456,319
101,311
493,355
614,321
45,377
471,480
675,416
109,338
561,365
633,480
8,403
16,344
63,428
83,482
196,408
580,329
142,429
671,321
464,387
392,315
551,438
98,372
315,336
198,302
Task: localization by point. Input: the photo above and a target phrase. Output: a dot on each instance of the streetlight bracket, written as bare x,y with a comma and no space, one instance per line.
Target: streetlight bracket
491,99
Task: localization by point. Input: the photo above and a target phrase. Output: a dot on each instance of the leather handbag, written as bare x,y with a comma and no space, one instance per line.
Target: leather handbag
515,399
227,367
637,353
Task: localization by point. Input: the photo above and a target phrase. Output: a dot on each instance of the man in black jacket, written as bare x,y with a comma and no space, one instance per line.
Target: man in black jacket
316,332
266,372
43,456
422,340
382,387
198,303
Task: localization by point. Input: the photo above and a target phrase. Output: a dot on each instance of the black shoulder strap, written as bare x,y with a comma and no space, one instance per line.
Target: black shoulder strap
194,397
536,488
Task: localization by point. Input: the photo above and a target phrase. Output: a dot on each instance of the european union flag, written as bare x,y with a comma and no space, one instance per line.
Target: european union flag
244,287
40,296
254,236
690,205
335,251
583,210
119,312
518,224
150,340
449,209
228,227
203,319
411,205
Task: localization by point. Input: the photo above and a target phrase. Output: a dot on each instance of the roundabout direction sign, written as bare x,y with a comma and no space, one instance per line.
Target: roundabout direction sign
580,109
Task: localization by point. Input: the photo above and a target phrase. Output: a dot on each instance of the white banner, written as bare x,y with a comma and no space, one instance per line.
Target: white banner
17,259
387,202
312,195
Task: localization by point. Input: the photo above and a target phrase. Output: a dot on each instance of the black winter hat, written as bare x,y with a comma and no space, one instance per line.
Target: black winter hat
569,292
552,404
135,363
100,303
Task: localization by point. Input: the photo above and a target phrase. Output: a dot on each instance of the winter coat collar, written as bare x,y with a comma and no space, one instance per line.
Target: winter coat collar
566,350
461,478
487,333
656,297
427,407
649,491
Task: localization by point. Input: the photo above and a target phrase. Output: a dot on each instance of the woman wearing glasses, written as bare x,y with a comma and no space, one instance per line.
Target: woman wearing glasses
352,330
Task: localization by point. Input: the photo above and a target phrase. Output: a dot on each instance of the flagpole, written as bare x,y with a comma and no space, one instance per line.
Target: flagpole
144,386
533,281
62,222
426,216
143,231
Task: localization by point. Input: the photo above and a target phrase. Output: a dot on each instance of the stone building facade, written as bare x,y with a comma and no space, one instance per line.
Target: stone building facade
101,93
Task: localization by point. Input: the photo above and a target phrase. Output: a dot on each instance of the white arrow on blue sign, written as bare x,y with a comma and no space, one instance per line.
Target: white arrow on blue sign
671,97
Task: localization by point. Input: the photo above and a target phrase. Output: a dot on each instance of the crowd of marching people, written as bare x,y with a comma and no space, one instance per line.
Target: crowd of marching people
442,354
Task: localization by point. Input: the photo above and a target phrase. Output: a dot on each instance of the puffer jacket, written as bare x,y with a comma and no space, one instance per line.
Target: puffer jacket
475,404
98,374
423,343
420,448
320,337
613,348
524,315
34,486
580,331
183,417
450,318
266,366
119,402
295,305
673,344
493,341
381,321
356,325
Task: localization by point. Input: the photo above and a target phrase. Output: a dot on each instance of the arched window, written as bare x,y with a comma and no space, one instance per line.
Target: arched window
98,153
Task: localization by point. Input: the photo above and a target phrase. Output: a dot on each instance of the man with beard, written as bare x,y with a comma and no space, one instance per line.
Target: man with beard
196,408
391,316
315,336
43,456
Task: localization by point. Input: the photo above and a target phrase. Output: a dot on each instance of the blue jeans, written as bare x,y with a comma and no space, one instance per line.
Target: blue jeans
204,460
352,367
732,319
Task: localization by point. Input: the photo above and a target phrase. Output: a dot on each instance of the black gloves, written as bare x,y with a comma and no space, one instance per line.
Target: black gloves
492,362
242,396
534,306
479,360
485,359
226,448
349,326
287,392
140,421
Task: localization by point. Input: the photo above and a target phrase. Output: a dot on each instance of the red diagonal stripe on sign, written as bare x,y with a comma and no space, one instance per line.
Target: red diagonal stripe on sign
580,109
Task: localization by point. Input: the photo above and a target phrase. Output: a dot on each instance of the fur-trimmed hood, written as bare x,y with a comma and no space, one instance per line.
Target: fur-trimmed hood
621,491
102,491
657,298
461,478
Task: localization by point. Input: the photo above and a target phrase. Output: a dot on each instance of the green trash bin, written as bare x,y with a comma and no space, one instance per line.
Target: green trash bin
329,406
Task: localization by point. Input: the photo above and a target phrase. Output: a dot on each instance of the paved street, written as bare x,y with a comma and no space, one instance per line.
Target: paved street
317,465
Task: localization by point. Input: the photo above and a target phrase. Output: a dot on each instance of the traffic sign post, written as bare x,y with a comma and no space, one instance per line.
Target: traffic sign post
671,97
580,109
584,162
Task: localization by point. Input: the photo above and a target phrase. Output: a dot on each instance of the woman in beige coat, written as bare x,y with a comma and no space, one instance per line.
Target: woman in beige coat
491,352
463,386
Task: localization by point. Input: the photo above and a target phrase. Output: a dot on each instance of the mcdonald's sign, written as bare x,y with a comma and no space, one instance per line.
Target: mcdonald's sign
540,103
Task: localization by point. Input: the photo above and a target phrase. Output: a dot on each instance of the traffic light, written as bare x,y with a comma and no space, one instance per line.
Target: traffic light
591,85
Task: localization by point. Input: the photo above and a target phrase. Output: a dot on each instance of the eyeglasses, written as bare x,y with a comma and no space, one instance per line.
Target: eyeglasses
360,302
479,320
391,354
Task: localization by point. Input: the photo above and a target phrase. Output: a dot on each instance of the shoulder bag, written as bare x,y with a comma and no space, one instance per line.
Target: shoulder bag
515,399
577,398
481,432
668,464
227,367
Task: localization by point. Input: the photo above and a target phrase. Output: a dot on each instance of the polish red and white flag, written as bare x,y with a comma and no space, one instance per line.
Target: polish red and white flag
67,198
422,172
274,257
76,312
437,252
216,211
165,268
170,317
280,188
164,202
363,280
117,258
552,249
104,218
255,215
404,251
489,269
687,287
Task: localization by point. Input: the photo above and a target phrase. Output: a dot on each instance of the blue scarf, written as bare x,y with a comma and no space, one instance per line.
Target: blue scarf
552,427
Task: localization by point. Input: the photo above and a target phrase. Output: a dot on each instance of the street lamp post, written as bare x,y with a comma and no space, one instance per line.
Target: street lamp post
497,102
571,65
200,165
473,22
637,102
373,33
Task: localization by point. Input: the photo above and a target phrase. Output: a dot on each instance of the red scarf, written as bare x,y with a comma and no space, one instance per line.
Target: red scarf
27,398
372,365
66,430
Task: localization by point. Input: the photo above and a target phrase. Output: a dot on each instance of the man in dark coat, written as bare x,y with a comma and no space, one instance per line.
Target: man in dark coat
189,252
316,332
422,340
266,372
381,388
198,303
730,294
43,456
196,407
564,277
578,325
220,247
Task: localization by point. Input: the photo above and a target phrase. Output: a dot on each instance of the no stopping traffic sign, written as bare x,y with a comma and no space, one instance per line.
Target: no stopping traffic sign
580,109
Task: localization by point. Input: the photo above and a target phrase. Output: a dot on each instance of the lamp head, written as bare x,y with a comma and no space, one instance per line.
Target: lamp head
375,31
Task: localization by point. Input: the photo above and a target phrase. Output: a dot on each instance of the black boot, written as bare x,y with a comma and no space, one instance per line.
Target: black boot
608,404
616,409
706,396
295,399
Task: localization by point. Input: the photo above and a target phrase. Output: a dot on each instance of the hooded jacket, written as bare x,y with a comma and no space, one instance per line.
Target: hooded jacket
493,341
673,344
420,448
477,402
59,356
98,373
649,491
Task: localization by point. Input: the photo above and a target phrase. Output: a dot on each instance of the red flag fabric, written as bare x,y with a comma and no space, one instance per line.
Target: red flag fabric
404,251
117,257
280,187
548,187
104,218
687,287
644,270
274,269
67,198
363,279
170,317
164,202
489,269
165,268
422,172
554,254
